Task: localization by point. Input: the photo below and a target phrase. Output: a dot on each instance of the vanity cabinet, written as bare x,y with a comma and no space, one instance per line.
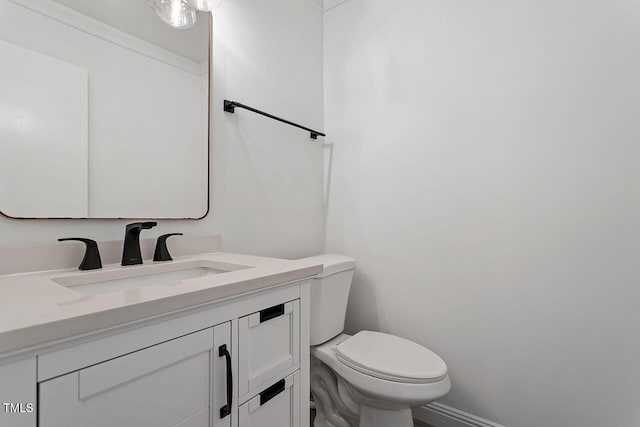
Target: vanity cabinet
240,362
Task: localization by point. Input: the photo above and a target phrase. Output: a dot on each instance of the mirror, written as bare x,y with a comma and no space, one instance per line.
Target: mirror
104,111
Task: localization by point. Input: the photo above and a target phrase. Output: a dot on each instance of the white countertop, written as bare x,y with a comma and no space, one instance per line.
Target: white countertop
35,310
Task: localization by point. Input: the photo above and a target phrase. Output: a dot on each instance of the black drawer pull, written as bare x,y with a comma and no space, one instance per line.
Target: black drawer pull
271,312
271,392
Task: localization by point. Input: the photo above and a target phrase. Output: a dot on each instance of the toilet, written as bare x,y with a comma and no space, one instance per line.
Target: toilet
370,379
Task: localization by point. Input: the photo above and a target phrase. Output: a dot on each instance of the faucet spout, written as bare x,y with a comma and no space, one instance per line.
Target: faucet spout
131,254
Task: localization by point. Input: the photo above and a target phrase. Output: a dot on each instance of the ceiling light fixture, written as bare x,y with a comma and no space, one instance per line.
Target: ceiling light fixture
205,5
182,14
176,13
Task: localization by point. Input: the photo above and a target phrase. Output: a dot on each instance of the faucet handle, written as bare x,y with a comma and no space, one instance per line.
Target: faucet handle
91,260
162,253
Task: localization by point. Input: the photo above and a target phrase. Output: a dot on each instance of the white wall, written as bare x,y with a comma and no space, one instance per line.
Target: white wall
485,177
266,179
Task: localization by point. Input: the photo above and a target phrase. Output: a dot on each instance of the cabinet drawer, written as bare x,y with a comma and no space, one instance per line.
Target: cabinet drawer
277,406
268,345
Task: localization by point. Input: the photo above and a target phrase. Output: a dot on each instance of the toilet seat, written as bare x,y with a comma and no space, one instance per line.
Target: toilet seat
390,358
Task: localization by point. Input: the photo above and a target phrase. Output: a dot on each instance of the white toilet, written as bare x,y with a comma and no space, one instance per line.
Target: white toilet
369,379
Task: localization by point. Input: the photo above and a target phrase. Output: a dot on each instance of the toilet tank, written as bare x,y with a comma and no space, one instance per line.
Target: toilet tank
329,296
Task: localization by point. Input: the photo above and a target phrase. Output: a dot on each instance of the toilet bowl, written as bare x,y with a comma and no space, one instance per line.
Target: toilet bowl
370,379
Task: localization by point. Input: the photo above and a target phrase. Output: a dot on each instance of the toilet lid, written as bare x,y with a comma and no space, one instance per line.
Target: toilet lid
390,358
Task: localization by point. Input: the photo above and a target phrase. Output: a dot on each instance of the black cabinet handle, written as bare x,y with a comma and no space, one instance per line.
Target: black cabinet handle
91,260
271,312
271,392
226,409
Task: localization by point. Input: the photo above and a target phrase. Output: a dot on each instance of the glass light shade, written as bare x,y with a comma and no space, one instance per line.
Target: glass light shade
176,13
205,5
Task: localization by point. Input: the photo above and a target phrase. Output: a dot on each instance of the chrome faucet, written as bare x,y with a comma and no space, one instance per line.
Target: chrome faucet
131,254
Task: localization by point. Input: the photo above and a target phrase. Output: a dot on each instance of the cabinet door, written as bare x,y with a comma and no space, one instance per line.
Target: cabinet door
169,384
18,394
268,345
277,406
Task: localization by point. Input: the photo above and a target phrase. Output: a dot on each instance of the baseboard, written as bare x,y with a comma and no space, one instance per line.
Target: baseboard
439,415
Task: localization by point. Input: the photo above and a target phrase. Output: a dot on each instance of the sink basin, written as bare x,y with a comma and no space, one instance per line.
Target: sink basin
125,278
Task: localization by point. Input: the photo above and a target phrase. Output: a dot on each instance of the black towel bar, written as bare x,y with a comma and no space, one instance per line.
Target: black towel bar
230,107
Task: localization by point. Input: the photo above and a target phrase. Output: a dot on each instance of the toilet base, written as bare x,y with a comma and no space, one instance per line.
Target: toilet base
331,409
335,407
371,417
374,417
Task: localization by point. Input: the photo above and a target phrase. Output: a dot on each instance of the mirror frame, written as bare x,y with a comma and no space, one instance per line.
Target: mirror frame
206,213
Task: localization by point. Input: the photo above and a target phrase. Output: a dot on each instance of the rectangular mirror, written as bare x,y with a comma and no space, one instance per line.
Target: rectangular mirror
104,111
